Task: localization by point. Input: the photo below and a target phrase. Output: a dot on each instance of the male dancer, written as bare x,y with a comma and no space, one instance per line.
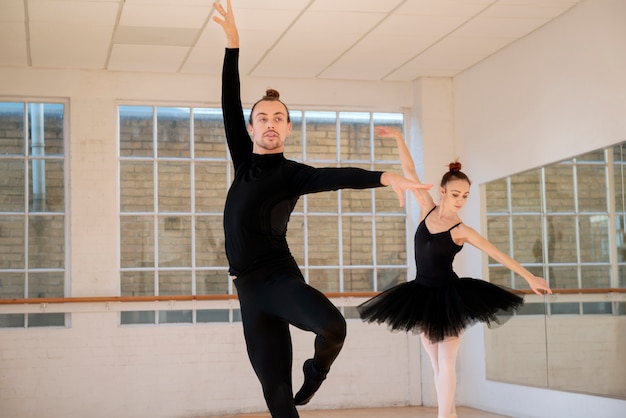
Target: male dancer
271,288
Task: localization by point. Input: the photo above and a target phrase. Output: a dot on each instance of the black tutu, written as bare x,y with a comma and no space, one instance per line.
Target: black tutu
441,311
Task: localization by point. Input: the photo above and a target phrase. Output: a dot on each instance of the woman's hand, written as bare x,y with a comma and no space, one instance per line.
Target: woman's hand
539,285
401,184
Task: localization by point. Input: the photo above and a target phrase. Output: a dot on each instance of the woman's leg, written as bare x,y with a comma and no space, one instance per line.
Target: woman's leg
443,359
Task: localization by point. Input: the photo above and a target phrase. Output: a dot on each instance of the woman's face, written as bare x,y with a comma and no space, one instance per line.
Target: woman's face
269,127
454,195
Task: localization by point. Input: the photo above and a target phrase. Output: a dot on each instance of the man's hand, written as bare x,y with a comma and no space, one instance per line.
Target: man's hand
227,22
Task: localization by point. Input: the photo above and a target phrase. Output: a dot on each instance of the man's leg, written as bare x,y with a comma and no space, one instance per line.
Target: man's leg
308,309
268,342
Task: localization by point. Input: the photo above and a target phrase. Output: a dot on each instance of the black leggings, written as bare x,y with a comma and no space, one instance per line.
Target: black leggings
268,306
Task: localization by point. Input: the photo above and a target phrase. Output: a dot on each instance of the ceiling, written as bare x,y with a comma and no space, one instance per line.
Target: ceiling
396,40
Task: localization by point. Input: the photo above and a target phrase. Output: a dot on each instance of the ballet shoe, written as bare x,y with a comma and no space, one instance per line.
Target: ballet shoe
313,379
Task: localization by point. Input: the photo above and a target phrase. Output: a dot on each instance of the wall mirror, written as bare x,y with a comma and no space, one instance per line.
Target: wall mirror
564,222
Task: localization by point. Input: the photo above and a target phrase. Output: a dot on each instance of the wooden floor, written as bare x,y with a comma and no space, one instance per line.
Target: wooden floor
398,412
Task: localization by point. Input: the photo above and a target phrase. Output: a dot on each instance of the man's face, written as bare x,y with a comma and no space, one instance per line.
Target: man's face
269,127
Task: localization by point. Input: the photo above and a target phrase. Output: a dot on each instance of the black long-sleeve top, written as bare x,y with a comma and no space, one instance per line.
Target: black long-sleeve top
266,188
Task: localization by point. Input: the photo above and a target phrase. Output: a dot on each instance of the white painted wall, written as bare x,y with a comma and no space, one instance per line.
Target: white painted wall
557,93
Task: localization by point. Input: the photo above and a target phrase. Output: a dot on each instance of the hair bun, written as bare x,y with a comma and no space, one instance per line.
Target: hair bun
271,94
454,166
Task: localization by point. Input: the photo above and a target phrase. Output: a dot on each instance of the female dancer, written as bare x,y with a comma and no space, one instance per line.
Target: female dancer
272,291
438,304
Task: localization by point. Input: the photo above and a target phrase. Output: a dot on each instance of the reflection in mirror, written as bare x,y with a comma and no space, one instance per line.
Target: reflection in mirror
564,222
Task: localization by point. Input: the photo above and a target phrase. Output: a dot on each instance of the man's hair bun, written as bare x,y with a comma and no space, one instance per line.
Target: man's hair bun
271,94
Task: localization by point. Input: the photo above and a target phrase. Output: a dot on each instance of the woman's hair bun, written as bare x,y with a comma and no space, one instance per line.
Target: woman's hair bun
454,166
271,94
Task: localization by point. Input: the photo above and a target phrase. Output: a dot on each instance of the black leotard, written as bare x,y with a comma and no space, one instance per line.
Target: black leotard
438,303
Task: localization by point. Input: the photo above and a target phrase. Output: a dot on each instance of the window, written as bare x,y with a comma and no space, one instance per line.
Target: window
32,207
564,222
174,175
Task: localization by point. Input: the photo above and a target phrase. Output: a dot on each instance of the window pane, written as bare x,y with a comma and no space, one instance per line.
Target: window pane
497,196
209,136
46,186
592,188
212,315
326,202
595,245
321,136
295,238
293,144
595,276
386,199
174,186
358,280
622,277
12,243
136,186
324,280
137,317
46,320
620,236
174,283
356,200
564,277
173,132
11,185
562,239
12,128
46,285
594,156
391,240
526,234
12,286
500,276
212,282
210,242
174,241
559,188
354,136
572,308
597,308
46,242
357,240
136,131
323,241
520,283
390,277
12,321
526,192
175,317
498,233
386,149
137,241
211,186
137,283
46,129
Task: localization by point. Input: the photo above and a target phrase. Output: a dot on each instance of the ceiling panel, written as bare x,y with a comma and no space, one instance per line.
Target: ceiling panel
69,46
72,12
342,39
12,11
165,15
13,45
146,58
